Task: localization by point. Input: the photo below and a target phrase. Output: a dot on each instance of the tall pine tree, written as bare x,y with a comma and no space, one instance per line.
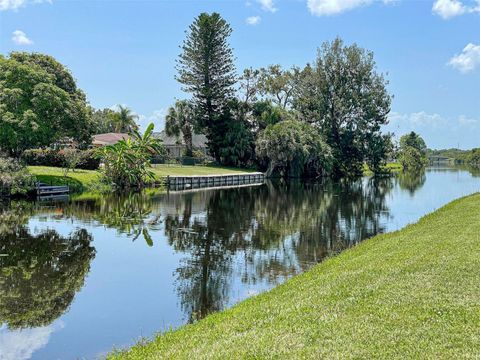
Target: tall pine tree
207,71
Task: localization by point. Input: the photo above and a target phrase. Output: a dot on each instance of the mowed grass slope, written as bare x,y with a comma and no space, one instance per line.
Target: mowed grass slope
80,180
185,170
414,293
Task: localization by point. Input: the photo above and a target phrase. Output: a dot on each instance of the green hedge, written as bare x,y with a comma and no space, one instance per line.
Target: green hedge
56,158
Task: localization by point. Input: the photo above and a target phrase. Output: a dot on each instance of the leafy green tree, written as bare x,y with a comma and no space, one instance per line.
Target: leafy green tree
39,103
378,148
473,157
233,142
103,120
278,85
264,113
412,159
127,163
206,70
249,85
344,96
413,140
413,152
125,120
181,119
295,147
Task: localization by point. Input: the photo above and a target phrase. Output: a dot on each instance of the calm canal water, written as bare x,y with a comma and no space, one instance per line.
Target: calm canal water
82,277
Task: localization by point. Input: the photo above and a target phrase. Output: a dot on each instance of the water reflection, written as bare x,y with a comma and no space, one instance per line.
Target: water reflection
207,249
40,274
276,231
411,181
130,214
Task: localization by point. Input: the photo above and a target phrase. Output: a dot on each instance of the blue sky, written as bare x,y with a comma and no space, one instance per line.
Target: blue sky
123,52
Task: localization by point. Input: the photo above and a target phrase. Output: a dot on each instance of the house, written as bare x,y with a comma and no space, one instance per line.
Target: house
175,146
108,139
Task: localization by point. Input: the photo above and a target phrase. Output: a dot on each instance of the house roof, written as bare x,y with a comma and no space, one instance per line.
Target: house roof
198,140
108,138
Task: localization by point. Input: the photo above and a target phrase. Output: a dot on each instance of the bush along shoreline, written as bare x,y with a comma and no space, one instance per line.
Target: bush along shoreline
412,293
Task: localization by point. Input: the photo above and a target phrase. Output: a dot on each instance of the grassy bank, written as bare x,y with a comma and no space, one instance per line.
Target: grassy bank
81,180
414,293
78,180
184,170
392,167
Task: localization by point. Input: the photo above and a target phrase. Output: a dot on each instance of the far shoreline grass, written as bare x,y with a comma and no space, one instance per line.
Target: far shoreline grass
391,167
164,170
413,293
84,180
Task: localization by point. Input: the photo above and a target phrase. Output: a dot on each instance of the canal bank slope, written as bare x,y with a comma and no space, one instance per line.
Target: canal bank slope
414,293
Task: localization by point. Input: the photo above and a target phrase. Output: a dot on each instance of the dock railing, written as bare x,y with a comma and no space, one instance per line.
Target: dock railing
207,181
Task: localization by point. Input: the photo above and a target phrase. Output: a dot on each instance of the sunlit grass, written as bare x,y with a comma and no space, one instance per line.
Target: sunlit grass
81,180
78,180
414,293
392,167
188,170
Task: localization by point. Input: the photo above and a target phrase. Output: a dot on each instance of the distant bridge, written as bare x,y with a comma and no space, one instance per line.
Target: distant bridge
440,160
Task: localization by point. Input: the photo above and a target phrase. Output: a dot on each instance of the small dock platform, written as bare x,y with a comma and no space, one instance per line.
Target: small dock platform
213,181
44,190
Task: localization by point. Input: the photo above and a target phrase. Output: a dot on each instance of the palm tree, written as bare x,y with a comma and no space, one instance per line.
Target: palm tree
181,119
125,120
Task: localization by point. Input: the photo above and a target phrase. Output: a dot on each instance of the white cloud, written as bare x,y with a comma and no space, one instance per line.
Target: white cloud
267,5
438,131
253,20
20,38
11,4
16,4
333,7
449,8
468,60
157,117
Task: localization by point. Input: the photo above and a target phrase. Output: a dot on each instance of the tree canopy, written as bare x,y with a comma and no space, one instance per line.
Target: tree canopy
39,103
347,99
296,147
413,152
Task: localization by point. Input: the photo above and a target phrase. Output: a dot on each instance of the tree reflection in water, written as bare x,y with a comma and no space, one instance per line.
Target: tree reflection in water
274,231
39,274
131,214
411,180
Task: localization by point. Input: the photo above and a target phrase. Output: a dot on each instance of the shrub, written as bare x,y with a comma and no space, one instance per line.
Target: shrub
86,159
127,163
296,148
14,178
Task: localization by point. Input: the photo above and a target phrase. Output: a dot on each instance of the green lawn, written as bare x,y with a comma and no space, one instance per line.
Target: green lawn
186,170
78,180
392,167
414,293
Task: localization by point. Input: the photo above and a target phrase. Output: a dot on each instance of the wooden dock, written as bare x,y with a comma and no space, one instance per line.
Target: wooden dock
213,181
44,190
